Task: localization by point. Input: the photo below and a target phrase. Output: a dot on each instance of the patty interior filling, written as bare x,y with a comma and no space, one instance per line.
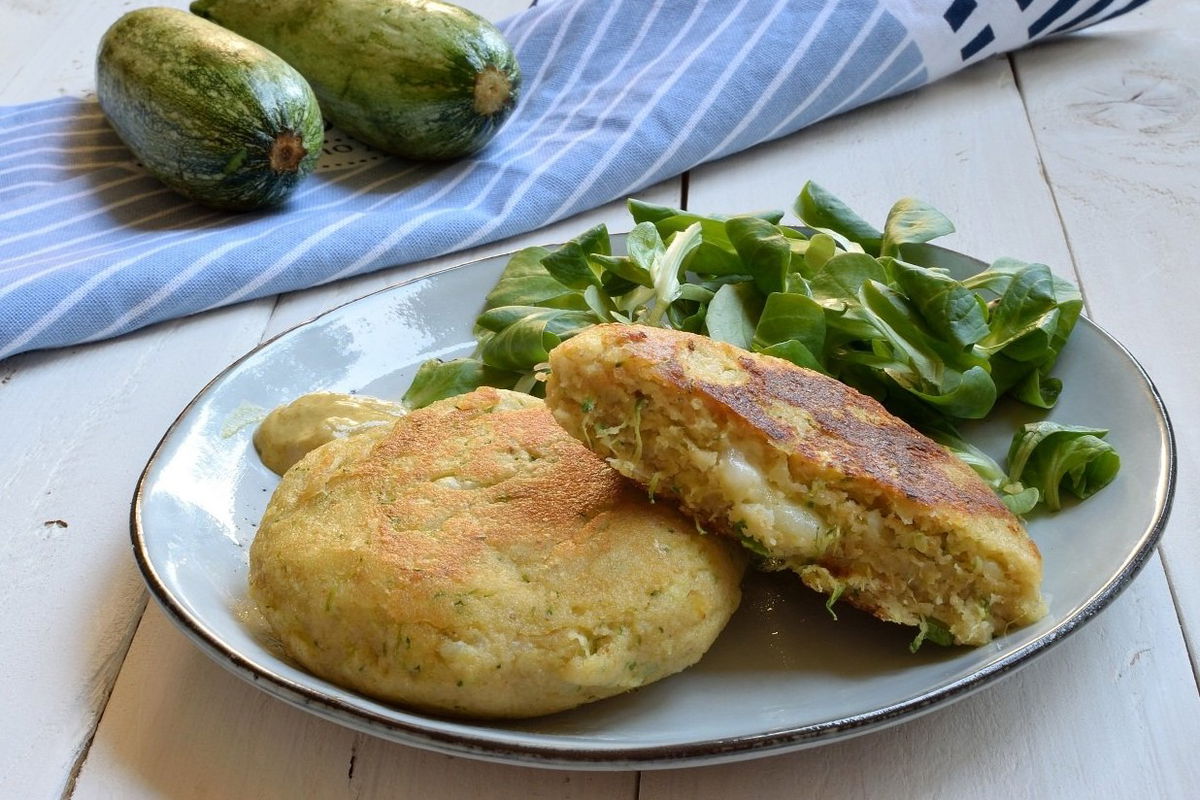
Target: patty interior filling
909,571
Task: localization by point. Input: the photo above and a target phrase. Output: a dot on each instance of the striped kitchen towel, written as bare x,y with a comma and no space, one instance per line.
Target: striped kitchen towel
618,95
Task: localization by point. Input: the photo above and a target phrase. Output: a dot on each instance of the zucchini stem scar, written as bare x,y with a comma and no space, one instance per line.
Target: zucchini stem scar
287,151
493,90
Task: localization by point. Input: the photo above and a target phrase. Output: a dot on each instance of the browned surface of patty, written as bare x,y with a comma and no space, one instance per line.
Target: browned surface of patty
691,399
839,428
474,559
504,499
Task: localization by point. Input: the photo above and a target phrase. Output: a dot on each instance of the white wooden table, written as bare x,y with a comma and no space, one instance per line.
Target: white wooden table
1083,153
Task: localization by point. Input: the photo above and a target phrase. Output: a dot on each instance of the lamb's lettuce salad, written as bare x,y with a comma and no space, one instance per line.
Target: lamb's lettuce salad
870,307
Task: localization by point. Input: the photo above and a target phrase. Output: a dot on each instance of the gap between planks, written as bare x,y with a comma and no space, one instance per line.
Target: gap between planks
127,643
1176,602
122,652
86,748
1062,225
1188,644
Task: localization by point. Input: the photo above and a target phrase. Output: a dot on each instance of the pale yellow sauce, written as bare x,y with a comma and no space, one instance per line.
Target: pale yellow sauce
311,420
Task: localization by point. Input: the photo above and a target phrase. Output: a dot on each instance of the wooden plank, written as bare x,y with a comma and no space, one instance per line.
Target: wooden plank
49,46
1105,714
179,725
251,747
1116,113
88,418
82,422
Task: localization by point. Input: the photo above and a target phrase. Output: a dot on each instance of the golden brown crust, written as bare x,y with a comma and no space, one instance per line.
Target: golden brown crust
807,470
825,423
474,559
515,465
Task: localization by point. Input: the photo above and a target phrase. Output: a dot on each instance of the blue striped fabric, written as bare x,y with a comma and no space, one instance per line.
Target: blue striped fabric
619,94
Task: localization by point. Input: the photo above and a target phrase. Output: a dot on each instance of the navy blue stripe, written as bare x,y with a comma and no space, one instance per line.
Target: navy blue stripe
981,40
1051,16
1084,17
958,12
1024,4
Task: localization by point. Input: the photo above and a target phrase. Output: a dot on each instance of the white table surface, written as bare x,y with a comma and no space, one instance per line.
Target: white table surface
1083,153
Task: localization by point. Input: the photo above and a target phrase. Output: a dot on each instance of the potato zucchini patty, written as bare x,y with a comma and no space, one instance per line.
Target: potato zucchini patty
473,559
805,470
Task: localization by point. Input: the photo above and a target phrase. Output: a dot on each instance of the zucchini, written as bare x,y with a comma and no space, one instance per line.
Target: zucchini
212,115
417,78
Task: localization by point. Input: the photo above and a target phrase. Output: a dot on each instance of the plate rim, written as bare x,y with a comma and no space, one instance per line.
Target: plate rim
645,757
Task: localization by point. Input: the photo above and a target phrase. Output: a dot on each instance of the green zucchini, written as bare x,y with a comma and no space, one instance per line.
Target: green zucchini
214,116
417,78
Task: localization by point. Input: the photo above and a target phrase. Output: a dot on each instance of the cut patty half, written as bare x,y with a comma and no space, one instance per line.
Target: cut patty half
805,470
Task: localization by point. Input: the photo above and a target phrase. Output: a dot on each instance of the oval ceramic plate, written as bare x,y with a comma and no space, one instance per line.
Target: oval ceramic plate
784,675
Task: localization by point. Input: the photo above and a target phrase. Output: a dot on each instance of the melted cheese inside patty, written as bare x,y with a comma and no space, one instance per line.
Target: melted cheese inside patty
765,513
